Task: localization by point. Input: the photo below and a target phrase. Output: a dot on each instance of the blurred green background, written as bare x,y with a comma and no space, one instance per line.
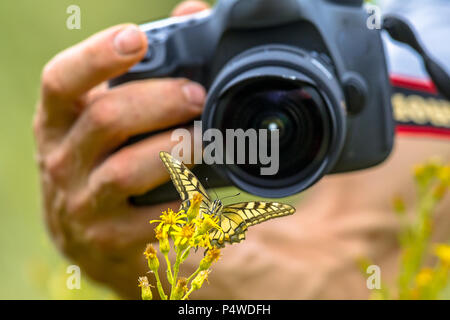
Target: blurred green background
32,32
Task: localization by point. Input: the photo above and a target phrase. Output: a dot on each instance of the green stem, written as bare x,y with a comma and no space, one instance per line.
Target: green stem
159,286
196,272
176,268
185,254
169,269
186,296
415,247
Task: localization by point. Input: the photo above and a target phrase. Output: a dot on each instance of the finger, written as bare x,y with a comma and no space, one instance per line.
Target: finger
78,69
108,187
132,171
128,231
124,112
189,7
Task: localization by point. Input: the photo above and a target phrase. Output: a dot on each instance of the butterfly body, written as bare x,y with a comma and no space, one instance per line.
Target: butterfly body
234,219
216,207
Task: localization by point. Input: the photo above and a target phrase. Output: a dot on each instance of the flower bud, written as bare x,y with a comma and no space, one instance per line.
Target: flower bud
146,291
164,246
198,281
152,259
180,289
162,236
194,208
211,256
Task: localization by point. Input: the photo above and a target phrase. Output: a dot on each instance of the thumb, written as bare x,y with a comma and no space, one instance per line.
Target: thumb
189,7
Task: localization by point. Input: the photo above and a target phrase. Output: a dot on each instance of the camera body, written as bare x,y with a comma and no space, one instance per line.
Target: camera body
321,50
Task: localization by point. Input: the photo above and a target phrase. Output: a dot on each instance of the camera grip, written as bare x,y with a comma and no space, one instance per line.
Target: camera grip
177,47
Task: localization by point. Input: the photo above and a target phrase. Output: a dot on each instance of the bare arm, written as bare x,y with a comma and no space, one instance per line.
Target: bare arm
313,254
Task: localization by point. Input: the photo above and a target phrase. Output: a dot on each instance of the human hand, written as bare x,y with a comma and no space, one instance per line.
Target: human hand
80,123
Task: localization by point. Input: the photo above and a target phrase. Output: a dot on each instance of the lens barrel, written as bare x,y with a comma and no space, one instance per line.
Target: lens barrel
281,88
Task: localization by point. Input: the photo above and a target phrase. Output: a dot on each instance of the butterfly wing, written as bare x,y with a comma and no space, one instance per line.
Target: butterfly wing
236,218
185,182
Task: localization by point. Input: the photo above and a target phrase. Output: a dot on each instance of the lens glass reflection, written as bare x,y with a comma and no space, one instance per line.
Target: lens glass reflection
295,109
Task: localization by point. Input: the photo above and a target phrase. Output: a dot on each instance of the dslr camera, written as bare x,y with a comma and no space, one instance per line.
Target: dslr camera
311,69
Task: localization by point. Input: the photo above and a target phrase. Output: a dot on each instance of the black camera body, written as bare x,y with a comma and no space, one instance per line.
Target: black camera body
315,65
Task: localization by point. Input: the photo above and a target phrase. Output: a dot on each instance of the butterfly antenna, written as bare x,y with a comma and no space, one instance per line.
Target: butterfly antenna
209,187
237,194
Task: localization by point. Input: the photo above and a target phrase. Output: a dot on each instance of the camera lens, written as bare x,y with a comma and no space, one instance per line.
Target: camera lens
295,109
274,122
276,90
273,117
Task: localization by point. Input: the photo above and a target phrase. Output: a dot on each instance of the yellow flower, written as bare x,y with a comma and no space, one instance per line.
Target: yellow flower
194,208
201,241
444,175
198,281
183,234
169,219
439,191
211,256
201,236
424,277
442,251
424,173
152,259
206,224
146,292
150,252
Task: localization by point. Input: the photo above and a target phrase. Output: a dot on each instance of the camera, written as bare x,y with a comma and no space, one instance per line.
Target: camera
311,69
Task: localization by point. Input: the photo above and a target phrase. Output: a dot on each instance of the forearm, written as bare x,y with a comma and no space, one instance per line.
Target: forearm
314,254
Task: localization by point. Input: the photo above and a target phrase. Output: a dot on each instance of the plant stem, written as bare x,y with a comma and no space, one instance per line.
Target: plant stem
176,268
159,286
169,269
196,272
185,254
416,245
186,296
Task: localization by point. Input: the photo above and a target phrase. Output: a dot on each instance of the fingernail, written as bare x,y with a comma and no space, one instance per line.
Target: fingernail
194,93
129,40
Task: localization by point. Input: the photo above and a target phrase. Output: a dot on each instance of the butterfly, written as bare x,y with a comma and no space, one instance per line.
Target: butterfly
234,219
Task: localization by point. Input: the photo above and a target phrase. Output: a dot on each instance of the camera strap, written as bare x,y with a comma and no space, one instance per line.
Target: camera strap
419,110
421,107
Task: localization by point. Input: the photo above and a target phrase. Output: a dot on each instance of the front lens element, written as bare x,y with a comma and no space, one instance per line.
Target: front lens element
296,109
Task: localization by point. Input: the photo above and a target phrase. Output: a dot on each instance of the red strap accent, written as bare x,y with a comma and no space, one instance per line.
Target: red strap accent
423,131
421,86
414,84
